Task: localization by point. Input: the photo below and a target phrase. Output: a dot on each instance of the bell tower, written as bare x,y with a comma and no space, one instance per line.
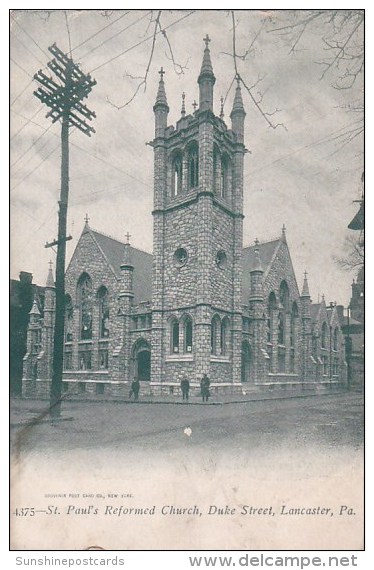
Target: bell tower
198,231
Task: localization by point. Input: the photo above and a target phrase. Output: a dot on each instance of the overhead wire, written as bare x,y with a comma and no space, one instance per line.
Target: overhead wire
142,41
26,48
99,31
29,36
115,35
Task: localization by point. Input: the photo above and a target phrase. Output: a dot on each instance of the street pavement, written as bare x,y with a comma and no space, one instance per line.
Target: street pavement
267,421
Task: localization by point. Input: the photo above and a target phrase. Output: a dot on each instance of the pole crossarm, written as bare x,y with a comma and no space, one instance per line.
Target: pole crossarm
64,93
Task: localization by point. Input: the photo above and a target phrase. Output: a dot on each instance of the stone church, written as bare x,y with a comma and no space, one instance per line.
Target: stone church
202,303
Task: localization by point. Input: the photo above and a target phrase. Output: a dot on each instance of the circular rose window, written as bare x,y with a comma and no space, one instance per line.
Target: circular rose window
180,257
221,259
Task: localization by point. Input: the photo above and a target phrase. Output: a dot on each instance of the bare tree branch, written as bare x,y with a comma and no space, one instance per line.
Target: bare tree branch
256,102
355,256
143,82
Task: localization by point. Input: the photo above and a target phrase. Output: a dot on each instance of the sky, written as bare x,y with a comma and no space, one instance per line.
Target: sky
298,174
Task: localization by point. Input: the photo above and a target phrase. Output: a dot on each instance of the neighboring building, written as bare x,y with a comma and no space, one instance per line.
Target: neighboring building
201,303
22,294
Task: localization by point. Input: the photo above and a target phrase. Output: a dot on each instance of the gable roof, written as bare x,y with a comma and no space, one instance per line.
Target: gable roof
113,250
314,310
267,251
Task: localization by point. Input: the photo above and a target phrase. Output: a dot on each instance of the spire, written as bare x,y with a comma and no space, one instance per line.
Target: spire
238,106
206,80
221,115
206,66
284,232
257,263
237,114
305,291
126,260
161,108
183,110
161,93
86,219
35,309
50,281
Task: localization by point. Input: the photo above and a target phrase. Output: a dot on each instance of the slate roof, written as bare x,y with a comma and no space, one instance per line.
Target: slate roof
314,310
266,251
142,262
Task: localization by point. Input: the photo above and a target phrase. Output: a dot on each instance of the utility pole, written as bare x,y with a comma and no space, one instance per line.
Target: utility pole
63,94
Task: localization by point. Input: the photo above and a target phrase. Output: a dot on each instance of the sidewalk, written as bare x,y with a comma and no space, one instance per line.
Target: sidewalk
23,410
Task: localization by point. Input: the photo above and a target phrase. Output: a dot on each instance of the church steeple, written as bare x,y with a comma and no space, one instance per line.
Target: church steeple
238,113
161,107
34,313
50,284
206,80
305,291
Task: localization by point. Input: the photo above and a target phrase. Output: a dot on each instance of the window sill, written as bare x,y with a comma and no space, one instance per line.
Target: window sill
179,358
214,358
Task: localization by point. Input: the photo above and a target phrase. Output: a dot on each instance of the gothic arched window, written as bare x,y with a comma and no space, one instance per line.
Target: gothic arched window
280,328
188,334
294,317
174,334
225,169
85,306
284,296
324,336
68,319
177,175
215,334
272,305
225,336
193,166
336,336
216,171
103,300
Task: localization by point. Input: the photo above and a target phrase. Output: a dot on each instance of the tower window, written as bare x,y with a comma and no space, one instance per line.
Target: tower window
224,176
176,175
180,257
193,167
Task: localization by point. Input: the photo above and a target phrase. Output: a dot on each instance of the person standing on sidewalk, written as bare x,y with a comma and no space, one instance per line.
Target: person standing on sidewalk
204,386
185,387
135,388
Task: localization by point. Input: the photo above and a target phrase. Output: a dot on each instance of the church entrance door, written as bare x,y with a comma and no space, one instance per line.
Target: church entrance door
142,361
246,361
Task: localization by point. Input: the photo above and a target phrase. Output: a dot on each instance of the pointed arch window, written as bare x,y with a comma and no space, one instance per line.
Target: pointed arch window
280,328
188,335
68,319
284,296
225,173
272,305
294,317
225,336
103,301
85,306
216,170
177,175
336,336
324,336
193,166
174,330
215,334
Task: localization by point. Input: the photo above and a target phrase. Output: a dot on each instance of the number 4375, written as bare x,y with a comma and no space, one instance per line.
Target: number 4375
24,512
